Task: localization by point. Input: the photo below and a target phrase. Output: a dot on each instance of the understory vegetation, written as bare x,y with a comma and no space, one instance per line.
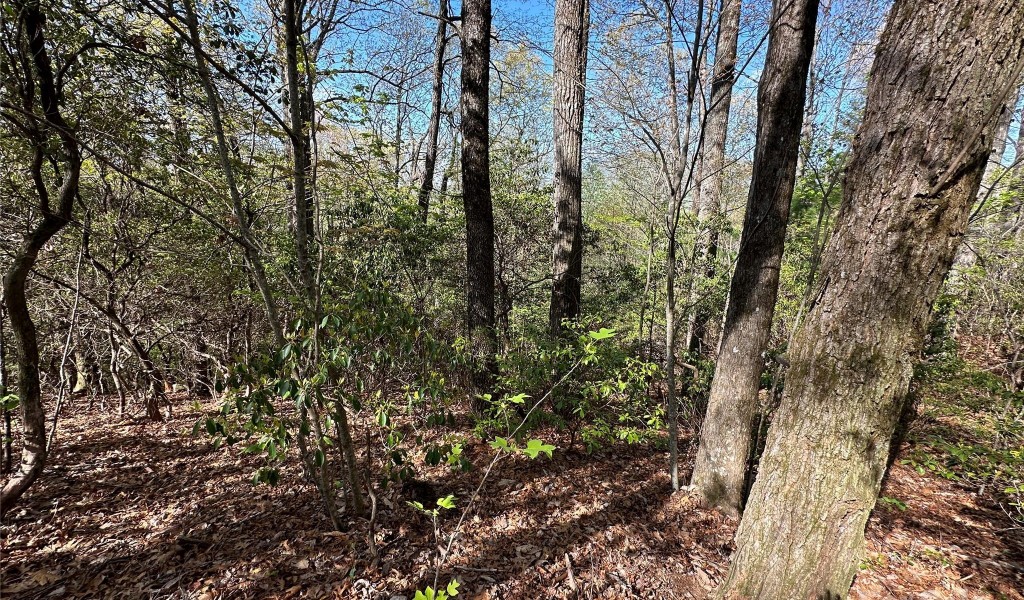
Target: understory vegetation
409,299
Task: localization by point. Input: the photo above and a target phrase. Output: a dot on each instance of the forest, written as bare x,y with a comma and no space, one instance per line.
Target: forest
435,299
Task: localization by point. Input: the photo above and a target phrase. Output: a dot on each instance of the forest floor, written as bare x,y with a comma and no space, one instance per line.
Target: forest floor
133,509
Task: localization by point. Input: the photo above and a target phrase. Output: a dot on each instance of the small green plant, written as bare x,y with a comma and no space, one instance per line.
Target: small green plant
343,363
445,594
893,502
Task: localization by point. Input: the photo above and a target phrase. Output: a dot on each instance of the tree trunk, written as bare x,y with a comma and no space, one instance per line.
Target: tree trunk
39,78
940,76
153,373
253,260
6,462
115,370
476,190
572,26
299,126
430,160
710,209
720,470
679,184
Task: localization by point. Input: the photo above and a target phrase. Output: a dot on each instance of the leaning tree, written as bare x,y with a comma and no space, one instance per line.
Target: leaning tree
941,75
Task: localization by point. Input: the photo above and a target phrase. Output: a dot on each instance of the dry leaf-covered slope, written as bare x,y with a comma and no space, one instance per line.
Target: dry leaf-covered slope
131,510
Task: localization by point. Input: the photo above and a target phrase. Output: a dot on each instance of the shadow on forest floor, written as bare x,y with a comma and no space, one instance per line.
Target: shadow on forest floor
130,510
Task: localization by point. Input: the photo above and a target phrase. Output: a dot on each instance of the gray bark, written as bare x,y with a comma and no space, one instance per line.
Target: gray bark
934,95
430,160
476,191
47,121
572,27
725,441
710,208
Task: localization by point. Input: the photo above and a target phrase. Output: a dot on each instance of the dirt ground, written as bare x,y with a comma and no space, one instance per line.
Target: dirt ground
129,509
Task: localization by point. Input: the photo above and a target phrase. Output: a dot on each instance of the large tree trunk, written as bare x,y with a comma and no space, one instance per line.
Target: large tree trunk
430,160
720,471
710,207
476,190
940,76
38,78
572,26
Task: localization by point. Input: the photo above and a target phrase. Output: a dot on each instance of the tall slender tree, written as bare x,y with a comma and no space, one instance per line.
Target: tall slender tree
476,190
57,157
937,85
679,176
299,84
572,27
434,127
715,132
254,261
721,467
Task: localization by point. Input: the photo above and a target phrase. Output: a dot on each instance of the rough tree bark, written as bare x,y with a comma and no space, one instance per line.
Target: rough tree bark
434,128
5,447
38,84
572,27
720,470
476,190
941,73
710,208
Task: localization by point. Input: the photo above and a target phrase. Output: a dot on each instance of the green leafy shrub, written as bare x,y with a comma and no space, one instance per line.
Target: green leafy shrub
604,395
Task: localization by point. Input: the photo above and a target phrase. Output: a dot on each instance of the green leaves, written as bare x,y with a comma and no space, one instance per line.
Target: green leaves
446,503
445,594
9,402
535,447
602,334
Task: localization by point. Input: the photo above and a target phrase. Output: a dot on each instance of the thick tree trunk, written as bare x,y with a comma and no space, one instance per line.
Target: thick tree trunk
940,76
710,208
572,27
476,190
434,128
39,79
721,466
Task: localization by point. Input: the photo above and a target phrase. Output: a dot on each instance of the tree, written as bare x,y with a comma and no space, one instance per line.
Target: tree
716,130
299,73
253,259
679,176
720,470
434,128
572,25
476,190
938,82
55,149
